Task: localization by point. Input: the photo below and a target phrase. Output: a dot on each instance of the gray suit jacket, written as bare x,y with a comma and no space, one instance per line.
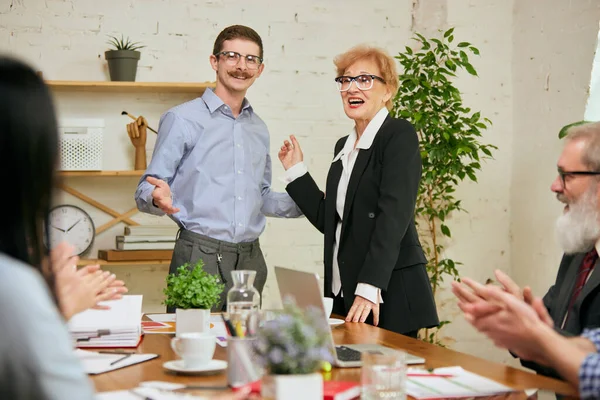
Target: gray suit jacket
586,309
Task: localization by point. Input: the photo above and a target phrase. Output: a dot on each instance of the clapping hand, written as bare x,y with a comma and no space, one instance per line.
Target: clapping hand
78,290
290,153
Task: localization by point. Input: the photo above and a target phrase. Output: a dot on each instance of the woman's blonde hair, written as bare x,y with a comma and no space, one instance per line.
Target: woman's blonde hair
386,64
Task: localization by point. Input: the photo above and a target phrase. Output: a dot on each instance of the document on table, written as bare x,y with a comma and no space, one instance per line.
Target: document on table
456,382
120,326
216,325
162,317
97,363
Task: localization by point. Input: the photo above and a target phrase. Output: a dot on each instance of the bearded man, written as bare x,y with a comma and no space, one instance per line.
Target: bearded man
573,301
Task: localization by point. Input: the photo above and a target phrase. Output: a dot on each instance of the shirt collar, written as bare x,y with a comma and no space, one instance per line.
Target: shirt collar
366,139
214,102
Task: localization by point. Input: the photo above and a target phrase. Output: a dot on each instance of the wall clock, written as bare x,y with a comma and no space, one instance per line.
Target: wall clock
73,225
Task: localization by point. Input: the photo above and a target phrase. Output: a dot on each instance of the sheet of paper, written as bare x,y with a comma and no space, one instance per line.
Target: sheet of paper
148,393
162,317
217,326
96,363
150,325
461,384
123,314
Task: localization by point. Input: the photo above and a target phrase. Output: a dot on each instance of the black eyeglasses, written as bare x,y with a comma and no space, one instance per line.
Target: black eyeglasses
363,82
232,58
564,174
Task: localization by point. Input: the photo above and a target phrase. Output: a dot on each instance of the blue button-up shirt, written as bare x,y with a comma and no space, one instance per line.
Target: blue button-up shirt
589,372
218,168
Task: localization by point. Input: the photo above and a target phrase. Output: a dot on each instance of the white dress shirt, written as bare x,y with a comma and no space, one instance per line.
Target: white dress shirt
348,155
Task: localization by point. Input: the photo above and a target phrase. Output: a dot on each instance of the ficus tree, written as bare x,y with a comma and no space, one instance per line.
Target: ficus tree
450,136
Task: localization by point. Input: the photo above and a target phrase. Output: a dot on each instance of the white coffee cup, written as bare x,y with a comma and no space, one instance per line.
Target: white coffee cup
328,304
195,348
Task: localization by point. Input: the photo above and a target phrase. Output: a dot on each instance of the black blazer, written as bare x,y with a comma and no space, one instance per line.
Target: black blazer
586,309
379,244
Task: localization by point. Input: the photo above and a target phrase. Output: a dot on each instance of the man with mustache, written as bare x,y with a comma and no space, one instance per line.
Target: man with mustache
211,168
573,302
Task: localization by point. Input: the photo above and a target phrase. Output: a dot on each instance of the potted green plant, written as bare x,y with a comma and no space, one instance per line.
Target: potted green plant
193,292
450,136
292,348
122,59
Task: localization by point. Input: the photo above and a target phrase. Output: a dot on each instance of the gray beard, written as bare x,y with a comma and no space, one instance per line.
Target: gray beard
578,230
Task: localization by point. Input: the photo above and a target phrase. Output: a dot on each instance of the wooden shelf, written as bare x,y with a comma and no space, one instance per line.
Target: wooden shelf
129,87
102,173
88,261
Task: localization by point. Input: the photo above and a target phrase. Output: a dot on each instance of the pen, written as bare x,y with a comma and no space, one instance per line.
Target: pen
229,326
238,329
226,325
121,359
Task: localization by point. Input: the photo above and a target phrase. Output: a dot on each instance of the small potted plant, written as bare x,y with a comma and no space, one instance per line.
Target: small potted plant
292,348
193,292
123,59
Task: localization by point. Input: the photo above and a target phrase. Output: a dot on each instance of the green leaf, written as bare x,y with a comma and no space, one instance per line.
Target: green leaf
565,129
448,32
408,50
463,44
192,287
474,50
470,69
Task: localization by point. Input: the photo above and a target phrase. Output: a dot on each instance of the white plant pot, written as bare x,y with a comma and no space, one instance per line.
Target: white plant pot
292,387
192,320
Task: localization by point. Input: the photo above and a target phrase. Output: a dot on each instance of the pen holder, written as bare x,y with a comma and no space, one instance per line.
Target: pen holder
241,366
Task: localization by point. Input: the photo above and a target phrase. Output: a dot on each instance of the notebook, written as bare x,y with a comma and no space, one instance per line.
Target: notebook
118,327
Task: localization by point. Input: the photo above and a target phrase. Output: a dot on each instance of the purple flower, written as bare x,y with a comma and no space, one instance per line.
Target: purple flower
276,356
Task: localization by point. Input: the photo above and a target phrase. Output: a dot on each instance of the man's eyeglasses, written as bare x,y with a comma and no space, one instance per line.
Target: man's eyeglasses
232,58
564,174
363,82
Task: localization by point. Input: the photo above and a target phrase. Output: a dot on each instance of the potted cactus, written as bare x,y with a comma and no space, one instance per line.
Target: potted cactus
122,59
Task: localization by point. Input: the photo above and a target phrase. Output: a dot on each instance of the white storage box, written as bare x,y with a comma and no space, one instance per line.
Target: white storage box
81,144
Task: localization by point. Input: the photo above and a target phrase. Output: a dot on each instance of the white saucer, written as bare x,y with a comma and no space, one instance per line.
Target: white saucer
335,321
212,367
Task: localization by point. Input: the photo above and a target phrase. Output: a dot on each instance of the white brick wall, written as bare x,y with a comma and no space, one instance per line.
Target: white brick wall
296,94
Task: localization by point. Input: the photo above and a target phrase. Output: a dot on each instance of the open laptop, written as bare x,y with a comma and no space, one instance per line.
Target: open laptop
305,288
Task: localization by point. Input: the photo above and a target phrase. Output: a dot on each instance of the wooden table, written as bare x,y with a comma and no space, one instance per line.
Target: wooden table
347,333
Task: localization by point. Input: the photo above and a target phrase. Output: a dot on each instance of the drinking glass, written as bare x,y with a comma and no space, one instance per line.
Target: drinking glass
383,375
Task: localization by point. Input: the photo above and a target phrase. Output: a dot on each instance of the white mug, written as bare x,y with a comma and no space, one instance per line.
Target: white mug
196,349
328,304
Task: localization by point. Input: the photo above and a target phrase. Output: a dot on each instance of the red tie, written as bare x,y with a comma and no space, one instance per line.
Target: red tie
586,267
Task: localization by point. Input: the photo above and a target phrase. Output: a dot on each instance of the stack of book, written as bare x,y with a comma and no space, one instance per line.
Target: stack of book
120,326
148,237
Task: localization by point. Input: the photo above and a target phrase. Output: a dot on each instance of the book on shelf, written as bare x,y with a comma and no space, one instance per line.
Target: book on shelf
152,230
119,326
146,246
145,239
135,255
